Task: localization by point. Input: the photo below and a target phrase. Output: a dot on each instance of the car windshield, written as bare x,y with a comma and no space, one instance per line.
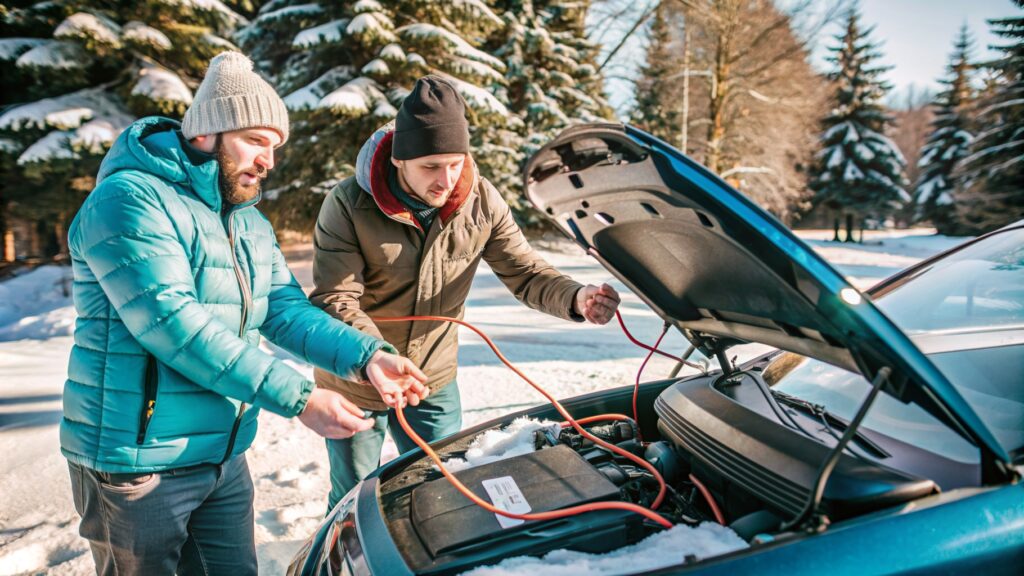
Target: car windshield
966,312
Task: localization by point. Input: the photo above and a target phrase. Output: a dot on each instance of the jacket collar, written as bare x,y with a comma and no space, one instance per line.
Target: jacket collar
392,207
154,145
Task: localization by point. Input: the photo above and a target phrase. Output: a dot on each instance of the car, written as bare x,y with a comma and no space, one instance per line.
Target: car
883,432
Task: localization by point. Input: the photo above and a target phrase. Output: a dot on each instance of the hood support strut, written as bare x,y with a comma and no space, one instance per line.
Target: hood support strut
809,516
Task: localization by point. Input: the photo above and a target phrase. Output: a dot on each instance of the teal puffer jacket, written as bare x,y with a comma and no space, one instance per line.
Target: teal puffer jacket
172,294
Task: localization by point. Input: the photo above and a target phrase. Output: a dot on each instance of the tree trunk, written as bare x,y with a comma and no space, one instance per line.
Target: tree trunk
835,230
716,106
849,228
61,236
34,242
9,253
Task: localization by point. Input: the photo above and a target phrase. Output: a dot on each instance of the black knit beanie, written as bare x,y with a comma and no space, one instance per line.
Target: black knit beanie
432,120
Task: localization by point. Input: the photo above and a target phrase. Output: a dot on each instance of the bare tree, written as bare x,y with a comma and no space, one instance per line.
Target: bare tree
760,100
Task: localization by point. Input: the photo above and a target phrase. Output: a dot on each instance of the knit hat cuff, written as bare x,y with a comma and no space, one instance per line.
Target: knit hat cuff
449,138
237,112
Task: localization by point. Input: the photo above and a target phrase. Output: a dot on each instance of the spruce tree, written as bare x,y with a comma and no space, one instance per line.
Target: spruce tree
949,141
551,82
524,67
658,92
859,170
994,171
344,69
76,73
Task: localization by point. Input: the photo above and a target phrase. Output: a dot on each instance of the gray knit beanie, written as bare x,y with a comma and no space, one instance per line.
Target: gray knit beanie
233,97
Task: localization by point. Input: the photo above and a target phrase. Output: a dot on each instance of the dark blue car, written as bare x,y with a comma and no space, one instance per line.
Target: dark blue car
884,435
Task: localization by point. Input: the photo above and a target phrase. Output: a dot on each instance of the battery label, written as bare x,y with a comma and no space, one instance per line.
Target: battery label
506,496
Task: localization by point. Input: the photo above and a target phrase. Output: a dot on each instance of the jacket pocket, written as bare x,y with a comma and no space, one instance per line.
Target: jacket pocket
148,398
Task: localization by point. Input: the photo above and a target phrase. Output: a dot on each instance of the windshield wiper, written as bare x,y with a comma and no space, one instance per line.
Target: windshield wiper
830,421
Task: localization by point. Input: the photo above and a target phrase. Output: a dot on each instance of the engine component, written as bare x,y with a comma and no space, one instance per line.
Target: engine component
548,479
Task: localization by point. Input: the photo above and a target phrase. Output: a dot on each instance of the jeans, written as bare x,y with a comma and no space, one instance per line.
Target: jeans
195,520
352,459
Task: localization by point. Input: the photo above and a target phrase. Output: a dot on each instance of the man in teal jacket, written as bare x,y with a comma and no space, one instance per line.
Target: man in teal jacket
176,277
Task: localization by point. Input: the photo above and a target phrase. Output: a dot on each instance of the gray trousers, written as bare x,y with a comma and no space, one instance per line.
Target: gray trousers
195,520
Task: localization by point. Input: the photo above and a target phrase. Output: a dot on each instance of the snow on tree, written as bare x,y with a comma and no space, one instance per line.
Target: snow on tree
993,173
550,82
859,170
344,70
76,73
937,187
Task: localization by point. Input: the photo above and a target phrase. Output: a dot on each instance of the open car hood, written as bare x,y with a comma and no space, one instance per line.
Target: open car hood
722,270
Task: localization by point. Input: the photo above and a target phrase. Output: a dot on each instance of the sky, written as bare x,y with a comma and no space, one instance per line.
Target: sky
917,35
916,39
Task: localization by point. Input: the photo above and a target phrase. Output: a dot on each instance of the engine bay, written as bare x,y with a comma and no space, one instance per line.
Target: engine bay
714,445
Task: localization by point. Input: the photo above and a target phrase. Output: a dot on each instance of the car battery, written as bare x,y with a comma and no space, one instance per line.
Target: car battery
448,523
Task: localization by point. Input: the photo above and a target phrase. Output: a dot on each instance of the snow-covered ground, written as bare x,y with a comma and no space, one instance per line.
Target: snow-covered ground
38,524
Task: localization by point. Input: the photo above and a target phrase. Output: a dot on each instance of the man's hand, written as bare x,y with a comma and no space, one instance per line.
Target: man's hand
397,379
330,415
596,304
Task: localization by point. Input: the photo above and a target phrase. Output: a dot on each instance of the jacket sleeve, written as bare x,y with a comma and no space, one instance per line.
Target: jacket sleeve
130,245
301,328
338,265
529,277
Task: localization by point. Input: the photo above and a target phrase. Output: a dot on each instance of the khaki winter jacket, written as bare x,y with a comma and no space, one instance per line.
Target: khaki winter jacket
373,260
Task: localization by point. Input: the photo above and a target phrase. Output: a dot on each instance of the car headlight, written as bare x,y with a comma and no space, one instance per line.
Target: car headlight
343,519
322,553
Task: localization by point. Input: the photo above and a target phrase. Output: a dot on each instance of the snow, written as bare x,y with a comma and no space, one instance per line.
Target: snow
835,158
659,550
415,59
467,67
161,85
9,146
288,462
479,98
97,134
53,54
367,6
85,25
392,52
11,48
852,174
301,10
376,66
458,45
329,32
140,33
477,10
373,25
218,42
47,313
355,97
385,110
515,439
54,146
309,95
211,6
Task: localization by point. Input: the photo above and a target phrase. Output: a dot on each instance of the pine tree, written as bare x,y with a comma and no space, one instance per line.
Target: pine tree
344,70
550,82
949,141
76,73
994,170
859,171
658,92
524,68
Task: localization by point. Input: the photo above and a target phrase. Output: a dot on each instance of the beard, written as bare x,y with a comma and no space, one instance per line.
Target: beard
231,188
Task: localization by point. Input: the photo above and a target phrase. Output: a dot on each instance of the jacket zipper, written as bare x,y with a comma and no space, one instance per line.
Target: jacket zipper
148,399
246,304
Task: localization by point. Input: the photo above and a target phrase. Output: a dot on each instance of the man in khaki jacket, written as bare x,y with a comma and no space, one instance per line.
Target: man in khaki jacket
404,237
